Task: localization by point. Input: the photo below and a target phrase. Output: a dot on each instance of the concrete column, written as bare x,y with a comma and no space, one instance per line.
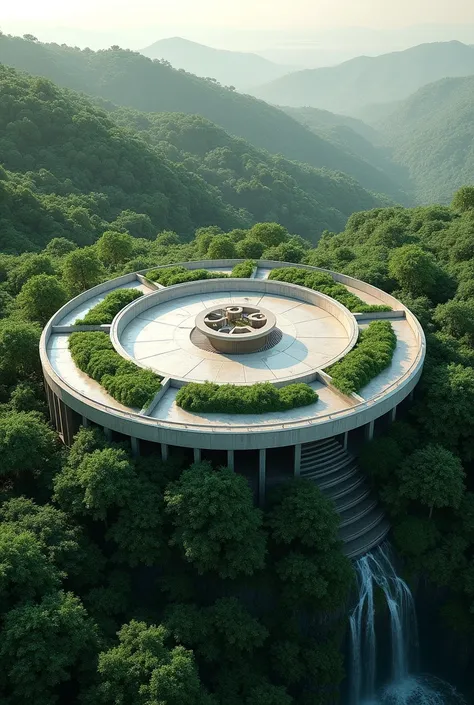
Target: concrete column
262,476
85,422
393,414
135,443
297,460
411,395
345,442
164,451
197,455
108,434
230,460
369,431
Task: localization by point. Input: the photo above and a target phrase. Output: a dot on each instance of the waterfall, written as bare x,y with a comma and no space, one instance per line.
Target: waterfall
376,570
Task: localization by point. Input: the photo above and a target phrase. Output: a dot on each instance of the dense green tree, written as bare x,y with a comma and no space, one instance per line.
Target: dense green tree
27,444
223,631
59,247
15,336
432,476
144,670
44,645
303,515
139,528
221,247
40,297
270,234
456,318
27,266
463,199
250,248
216,526
62,541
114,247
102,480
81,270
26,570
414,269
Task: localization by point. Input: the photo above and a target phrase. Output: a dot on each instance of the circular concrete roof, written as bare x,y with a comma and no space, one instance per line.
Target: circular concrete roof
154,331
161,337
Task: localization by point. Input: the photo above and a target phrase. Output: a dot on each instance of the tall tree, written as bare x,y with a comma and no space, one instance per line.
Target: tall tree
216,526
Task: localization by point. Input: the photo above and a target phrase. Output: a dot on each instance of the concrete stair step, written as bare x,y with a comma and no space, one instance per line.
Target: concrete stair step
325,443
325,481
357,511
356,548
352,496
322,470
325,456
361,526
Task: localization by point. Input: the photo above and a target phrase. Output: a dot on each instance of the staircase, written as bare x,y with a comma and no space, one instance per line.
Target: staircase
335,471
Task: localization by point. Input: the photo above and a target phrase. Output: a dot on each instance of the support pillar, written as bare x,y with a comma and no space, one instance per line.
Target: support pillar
262,476
197,455
369,431
108,434
231,460
345,442
411,396
393,414
85,422
164,451
135,443
297,460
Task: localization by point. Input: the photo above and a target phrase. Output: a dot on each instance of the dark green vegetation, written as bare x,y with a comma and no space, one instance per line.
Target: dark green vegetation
243,270
373,353
106,311
129,79
319,281
180,275
94,354
235,68
130,580
363,81
258,398
431,135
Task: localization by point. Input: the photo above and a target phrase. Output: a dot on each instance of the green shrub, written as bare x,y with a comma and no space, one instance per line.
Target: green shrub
319,281
168,276
232,399
373,354
130,385
106,311
243,270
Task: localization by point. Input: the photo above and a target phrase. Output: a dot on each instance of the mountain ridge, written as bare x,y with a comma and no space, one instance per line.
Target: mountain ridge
348,87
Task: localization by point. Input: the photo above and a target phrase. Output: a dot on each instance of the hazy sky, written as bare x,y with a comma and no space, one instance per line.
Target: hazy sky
107,14
244,24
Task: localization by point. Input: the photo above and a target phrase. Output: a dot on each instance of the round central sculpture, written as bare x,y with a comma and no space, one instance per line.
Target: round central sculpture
236,329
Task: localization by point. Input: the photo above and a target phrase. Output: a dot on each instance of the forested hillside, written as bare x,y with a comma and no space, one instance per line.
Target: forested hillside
432,135
232,68
70,171
357,138
129,79
303,199
132,577
350,86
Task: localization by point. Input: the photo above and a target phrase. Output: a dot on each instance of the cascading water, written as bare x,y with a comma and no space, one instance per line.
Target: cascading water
376,569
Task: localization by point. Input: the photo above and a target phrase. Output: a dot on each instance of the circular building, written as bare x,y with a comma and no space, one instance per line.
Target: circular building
242,332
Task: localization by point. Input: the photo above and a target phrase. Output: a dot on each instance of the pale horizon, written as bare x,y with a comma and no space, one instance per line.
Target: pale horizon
319,32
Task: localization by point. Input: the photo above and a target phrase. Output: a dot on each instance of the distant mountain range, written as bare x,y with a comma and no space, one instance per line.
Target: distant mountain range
432,135
129,79
236,68
350,86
